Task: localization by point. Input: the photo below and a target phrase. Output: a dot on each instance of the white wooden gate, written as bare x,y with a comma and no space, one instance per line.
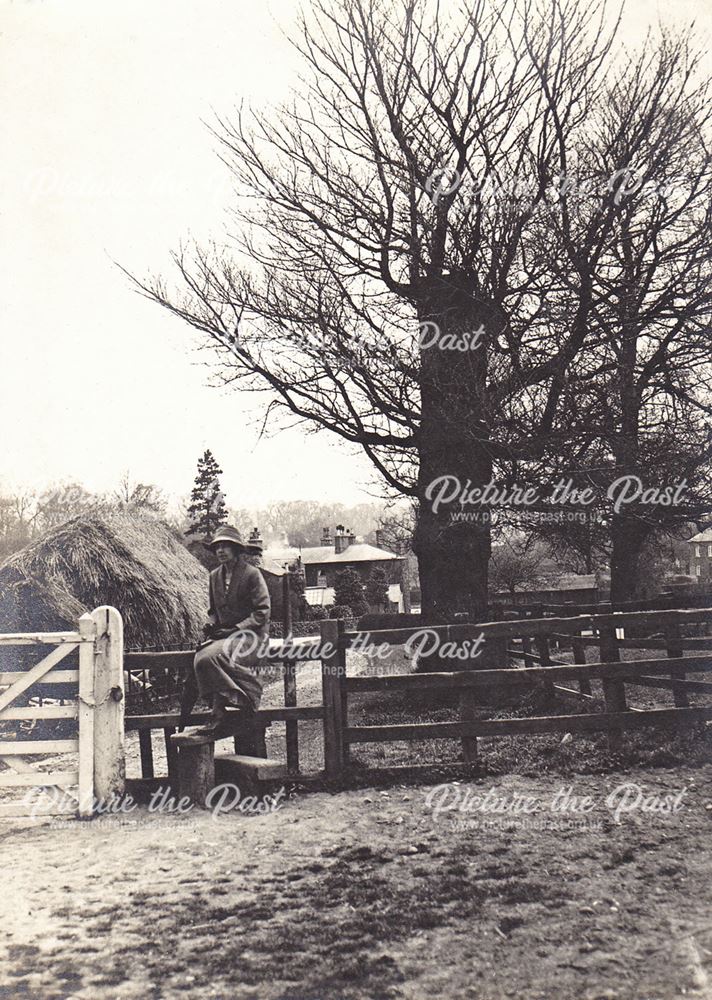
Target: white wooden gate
96,771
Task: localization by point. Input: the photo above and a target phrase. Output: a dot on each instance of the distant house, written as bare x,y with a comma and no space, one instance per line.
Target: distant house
321,563
701,556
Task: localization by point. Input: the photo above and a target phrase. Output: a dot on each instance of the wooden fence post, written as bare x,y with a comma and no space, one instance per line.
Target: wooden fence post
613,690
333,682
109,751
289,667
527,650
87,632
673,637
579,653
542,645
468,709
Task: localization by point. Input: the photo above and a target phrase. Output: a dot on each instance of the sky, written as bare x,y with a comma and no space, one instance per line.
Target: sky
106,157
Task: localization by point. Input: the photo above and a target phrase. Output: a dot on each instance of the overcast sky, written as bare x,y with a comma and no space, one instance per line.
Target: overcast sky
105,158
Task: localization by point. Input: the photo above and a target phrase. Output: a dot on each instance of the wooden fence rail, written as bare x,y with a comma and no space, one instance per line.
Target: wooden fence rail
526,641
668,672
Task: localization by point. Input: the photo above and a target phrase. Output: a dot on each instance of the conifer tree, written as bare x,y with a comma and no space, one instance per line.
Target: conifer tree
376,588
207,509
348,591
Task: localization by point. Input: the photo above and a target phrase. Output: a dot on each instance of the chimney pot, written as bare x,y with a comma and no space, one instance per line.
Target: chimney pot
340,539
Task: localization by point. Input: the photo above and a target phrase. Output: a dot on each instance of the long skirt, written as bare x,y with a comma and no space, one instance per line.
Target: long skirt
222,668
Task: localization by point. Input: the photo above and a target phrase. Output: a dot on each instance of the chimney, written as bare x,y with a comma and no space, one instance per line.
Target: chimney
340,539
255,538
379,538
326,536
351,538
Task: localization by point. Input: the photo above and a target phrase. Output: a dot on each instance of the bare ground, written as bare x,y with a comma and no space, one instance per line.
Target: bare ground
366,894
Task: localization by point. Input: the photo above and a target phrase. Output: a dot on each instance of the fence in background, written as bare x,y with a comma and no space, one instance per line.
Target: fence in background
527,641
517,655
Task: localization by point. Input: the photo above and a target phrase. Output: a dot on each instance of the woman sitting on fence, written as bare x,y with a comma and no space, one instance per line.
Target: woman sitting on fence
237,630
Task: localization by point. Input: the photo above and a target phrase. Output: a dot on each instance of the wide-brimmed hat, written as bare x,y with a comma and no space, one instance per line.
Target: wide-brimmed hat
229,534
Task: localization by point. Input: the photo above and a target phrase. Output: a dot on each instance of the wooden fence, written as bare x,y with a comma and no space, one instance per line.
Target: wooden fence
527,642
180,662
95,700
518,640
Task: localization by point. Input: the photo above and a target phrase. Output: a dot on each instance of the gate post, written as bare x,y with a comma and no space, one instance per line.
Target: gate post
333,682
87,700
109,753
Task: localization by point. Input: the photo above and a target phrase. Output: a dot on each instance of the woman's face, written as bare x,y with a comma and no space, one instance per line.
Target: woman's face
226,552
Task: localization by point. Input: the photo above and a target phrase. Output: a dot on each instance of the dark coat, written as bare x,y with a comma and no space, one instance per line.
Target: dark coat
246,604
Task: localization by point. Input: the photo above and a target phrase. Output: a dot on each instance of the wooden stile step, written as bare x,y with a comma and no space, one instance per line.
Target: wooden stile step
190,738
239,766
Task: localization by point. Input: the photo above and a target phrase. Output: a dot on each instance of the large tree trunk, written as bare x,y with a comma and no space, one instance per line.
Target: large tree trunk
628,535
453,555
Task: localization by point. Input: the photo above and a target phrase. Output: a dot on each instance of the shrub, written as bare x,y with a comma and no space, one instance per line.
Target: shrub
315,614
348,589
377,588
340,611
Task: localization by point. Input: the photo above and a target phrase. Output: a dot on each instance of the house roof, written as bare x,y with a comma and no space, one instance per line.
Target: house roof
271,566
702,536
318,554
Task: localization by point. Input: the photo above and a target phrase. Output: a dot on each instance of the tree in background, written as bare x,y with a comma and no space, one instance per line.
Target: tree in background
397,528
303,521
517,563
348,590
207,509
376,589
138,496
641,275
25,516
17,522
576,546
58,503
366,219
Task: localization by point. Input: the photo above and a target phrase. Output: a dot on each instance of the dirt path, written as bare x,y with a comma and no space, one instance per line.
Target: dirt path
367,894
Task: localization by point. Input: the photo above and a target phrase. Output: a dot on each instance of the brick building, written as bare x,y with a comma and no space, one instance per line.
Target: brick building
701,556
321,563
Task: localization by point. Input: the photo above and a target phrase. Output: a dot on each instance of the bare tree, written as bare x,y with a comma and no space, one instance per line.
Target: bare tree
57,504
18,521
138,496
518,562
363,218
648,296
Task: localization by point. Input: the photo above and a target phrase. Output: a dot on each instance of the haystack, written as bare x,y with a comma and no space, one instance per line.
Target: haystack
132,561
